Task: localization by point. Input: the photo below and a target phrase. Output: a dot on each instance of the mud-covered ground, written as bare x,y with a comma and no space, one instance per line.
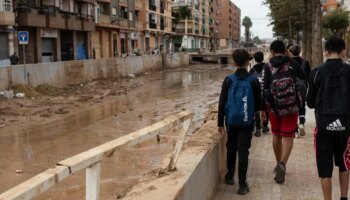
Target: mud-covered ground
141,101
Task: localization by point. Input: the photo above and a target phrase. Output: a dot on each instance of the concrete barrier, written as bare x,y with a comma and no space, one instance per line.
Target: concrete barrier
79,71
200,168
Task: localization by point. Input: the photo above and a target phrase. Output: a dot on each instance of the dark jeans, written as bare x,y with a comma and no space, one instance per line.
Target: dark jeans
302,112
239,140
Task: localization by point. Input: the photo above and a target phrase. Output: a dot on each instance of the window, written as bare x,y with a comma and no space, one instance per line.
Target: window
131,16
114,11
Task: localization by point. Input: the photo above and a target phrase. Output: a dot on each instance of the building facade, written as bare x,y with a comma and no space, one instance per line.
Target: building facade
59,30
7,22
194,32
331,5
225,26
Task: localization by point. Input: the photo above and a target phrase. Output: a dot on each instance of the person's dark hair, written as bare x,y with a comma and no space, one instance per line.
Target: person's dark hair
259,56
240,56
335,45
295,50
278,46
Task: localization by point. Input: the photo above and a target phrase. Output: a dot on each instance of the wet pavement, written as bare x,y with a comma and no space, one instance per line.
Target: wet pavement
157,95
302,182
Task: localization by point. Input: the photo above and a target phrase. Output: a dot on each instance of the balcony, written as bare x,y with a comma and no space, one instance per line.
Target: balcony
26,16
124,2
103,19
88,23
123,22
139,25
180,30
152,25
190,31
197,32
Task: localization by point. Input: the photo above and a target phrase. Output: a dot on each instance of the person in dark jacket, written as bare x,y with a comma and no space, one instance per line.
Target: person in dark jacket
282,127
258,71
14,59
239,138
295,51
334,147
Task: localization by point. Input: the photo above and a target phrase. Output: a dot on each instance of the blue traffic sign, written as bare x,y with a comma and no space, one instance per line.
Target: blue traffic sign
23,37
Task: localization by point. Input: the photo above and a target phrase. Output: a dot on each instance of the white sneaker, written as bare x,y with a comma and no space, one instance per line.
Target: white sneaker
302,130
297,135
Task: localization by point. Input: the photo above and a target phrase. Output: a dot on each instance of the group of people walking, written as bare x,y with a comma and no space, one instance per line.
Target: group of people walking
276,93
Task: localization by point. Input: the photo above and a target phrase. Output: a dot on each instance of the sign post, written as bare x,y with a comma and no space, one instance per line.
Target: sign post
23,39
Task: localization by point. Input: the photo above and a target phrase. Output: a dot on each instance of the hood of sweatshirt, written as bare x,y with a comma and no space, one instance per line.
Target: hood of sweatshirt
279,61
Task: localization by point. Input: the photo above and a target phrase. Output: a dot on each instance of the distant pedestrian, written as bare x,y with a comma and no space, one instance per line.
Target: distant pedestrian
14,59
258,72
302,85
239,99
279,92
329,94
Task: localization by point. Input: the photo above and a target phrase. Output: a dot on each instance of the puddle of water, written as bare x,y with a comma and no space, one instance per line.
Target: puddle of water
159,94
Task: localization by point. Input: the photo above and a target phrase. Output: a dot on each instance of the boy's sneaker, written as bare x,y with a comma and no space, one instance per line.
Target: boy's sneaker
302,130
266,130
280,173
243,189
257,133
229,179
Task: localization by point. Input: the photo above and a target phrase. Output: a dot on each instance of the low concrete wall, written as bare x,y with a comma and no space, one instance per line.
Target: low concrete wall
79,71
199,169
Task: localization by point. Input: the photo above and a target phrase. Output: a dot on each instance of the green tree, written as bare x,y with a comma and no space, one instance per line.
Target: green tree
247,23
257,40
337,22
181,14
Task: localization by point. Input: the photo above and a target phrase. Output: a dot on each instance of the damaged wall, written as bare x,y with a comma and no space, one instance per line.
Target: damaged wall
80,71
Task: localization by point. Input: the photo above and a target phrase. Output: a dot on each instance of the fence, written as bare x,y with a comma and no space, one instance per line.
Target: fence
91,160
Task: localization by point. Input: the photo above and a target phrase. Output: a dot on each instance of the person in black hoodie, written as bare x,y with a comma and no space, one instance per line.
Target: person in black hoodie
257,71
281,97
295,51
239,138
329,94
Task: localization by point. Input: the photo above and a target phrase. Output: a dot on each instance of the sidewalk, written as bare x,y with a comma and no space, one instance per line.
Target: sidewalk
302,182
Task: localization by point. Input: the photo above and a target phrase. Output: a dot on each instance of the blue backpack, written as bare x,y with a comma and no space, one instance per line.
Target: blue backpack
239,108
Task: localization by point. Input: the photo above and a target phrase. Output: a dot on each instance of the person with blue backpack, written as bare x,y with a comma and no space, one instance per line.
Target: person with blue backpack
284,101
258,71
240,99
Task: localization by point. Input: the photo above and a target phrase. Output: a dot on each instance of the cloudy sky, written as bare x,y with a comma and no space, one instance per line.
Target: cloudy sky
258,13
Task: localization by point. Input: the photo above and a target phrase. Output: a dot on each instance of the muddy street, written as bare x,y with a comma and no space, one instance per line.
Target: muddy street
144,100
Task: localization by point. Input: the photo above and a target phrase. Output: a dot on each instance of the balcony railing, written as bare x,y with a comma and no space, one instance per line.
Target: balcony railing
153,25
139,25
104,19
123,22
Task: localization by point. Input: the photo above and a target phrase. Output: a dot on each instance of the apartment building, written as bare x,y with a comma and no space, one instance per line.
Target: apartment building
225,26
331,5
59,30
157,33
7,21
194,32
118,27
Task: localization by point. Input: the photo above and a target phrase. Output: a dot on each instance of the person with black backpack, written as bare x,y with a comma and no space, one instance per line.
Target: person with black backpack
258,71
280,93
240,98
302,85
329,94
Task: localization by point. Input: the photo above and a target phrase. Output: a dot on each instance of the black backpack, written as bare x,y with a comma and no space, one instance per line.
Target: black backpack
334,102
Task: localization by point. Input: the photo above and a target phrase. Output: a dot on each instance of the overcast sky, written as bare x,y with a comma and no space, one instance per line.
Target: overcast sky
258,13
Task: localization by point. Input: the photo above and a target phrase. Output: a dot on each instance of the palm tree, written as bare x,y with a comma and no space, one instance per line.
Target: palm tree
247,23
